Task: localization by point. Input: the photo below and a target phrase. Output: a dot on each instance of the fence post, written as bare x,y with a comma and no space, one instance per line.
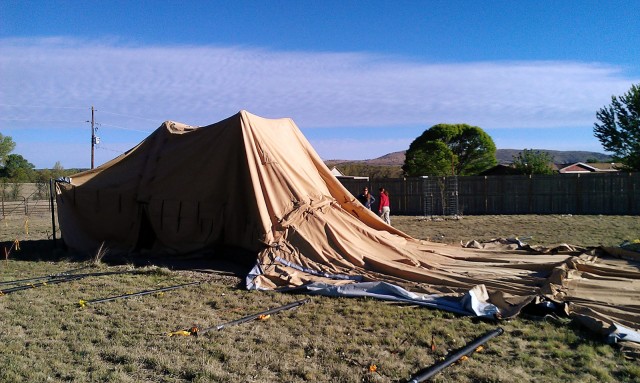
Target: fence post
578,195
423,192
630,192
486,195
53,209
404,195
530,191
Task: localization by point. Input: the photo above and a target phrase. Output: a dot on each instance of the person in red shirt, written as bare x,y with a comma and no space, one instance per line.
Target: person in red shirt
384,208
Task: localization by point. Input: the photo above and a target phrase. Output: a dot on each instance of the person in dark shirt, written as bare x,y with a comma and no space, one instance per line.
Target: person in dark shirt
366,198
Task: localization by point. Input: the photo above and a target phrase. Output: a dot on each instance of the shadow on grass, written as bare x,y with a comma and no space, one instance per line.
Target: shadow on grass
232,261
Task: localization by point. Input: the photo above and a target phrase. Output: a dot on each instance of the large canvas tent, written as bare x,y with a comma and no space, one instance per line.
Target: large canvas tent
257,184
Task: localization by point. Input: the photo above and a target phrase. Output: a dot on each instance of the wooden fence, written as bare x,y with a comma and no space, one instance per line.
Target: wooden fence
599,193
593,193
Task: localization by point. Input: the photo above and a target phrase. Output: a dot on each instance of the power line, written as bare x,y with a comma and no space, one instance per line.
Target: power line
35,120
123,128
130,116
109,149
44,106
155,120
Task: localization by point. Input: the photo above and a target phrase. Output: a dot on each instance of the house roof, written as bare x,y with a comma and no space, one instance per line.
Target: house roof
336,172
596,167
500,170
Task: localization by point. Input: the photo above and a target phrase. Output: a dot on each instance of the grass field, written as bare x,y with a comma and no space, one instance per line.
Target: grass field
45,335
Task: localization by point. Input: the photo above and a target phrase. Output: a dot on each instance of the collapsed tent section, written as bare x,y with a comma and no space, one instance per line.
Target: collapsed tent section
257,184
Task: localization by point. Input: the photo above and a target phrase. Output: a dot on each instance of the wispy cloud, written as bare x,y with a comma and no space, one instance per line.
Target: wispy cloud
199,85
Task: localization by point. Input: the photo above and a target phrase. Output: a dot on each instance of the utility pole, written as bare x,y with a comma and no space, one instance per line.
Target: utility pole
93,135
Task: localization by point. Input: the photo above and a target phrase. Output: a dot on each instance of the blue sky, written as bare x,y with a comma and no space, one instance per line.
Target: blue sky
361,79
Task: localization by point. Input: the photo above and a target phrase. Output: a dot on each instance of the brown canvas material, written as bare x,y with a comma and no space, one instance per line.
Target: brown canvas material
257,184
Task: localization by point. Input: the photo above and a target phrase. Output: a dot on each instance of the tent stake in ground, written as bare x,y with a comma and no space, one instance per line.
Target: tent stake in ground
195,331
465,351
83,303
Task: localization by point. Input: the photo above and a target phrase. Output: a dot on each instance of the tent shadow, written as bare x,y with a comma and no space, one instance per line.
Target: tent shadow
220,260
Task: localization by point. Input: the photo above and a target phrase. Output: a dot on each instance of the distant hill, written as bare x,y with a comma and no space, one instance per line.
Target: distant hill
391,159
503,156
559,156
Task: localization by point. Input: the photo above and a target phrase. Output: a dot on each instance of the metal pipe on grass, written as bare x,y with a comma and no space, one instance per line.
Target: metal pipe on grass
38,284
83,303
60,279
464,351
51,276
251,317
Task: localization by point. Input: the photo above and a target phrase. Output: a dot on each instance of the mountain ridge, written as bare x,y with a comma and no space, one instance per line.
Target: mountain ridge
503,156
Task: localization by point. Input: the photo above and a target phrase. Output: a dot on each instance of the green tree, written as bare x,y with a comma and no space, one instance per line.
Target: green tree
450,149
17,169
6,146
42,177
619,128
42,183
58,170
529,161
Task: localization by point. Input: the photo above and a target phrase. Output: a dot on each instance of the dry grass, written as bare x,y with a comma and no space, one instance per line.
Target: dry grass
548,230
46,336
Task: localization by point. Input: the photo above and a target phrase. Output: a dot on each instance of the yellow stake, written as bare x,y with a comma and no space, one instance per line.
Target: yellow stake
180,333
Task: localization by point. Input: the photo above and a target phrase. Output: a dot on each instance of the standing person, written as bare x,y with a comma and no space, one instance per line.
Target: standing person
366,198
384,209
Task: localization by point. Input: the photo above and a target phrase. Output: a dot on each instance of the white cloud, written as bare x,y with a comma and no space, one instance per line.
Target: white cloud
200,85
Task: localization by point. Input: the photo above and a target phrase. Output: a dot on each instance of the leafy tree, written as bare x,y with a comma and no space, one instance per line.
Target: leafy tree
619,128
17,168
450,149
6,146
529,161
58,170
43,176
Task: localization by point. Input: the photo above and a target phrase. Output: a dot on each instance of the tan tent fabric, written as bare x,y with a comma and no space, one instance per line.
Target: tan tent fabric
257,184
